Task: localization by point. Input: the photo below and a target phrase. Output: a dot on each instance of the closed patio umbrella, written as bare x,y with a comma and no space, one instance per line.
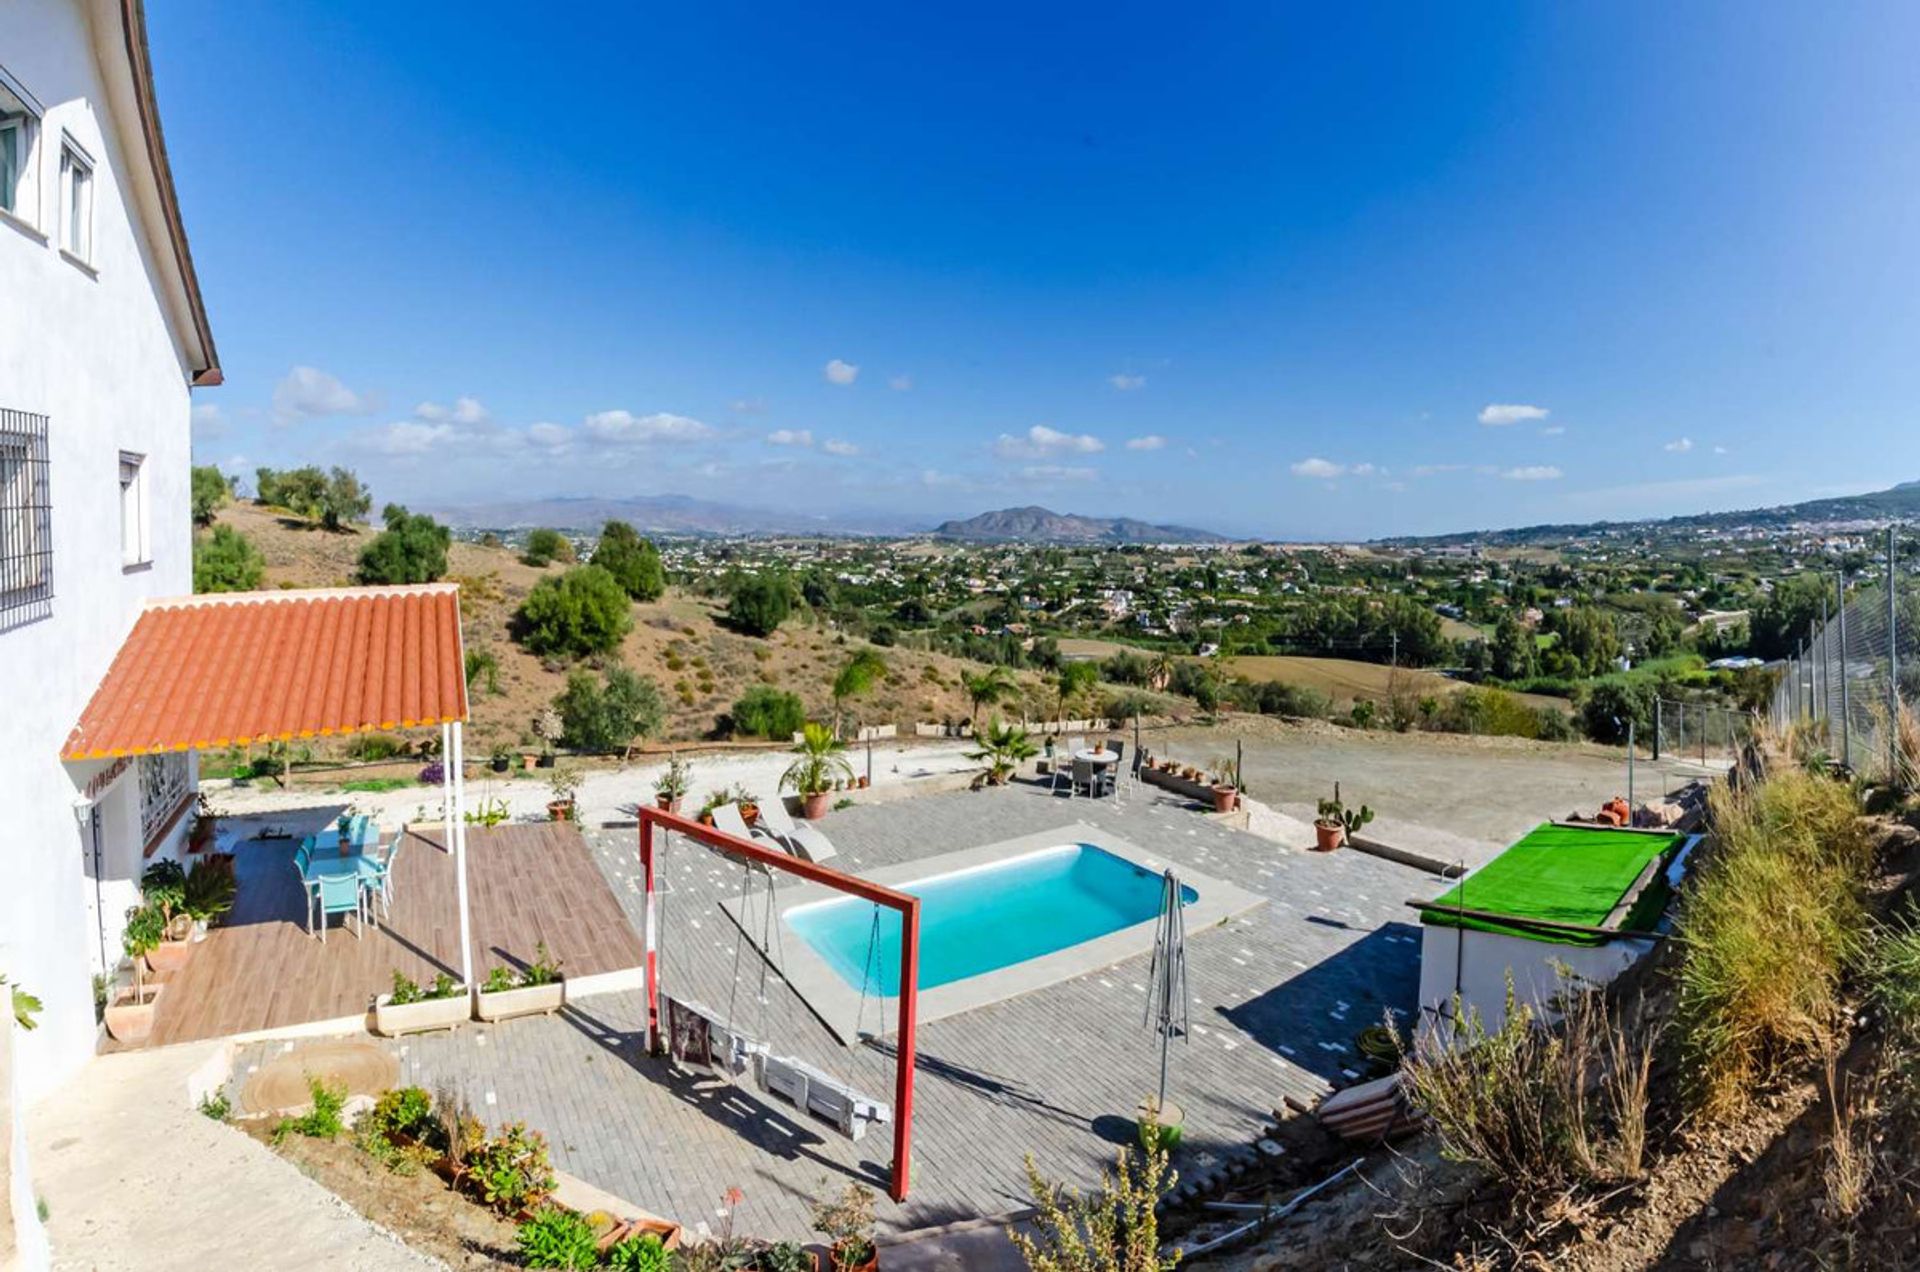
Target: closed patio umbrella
1167,997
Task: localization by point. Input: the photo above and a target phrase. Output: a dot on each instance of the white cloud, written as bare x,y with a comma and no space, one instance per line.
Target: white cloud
1430,470
934,477
1532,472
1366,470
1041,442
791,437
841,373
1719,450
309,393
834,446
1679,445
661,426
1049,473
1553,430
411,437
1497,414
1318,469
1151,442
465,410
549,435
900,383
748,406
207,420
1127,383
235,465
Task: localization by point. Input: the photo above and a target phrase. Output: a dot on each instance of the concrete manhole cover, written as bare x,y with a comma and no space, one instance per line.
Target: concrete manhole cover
281,1083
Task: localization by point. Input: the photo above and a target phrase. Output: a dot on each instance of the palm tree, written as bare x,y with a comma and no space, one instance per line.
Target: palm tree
985,689
1160,670
820,764
854,679
1005,747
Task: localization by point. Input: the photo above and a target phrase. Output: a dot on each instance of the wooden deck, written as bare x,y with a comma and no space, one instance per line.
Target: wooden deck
261,970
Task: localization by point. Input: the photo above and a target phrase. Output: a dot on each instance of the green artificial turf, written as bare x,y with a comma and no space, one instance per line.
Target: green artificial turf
1563,874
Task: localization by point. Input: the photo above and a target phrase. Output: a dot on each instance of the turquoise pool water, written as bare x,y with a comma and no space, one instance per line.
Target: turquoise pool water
985,918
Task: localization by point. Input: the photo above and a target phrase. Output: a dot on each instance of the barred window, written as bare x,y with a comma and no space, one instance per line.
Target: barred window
164,786
26,532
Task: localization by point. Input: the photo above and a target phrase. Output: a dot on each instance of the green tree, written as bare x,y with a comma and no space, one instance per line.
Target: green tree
580,612
609,715
1514,651
1781,621
855,679
759,604
985,689
1605,707
333,498
412,549
226,561
766,712
1588,639
633,561
1077,681
344,499
211,490
545,546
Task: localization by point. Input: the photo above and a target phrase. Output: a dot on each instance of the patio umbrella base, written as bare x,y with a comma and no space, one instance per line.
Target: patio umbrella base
1171,1121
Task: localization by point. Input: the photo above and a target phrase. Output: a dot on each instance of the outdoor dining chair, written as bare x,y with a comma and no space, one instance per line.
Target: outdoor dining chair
302,858
1085,774
341,894
376,872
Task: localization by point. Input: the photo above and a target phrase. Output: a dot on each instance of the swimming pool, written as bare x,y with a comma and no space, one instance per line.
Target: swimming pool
985,918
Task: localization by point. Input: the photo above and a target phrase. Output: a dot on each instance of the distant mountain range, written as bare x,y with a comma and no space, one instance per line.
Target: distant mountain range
1042,525
1901,502
665,515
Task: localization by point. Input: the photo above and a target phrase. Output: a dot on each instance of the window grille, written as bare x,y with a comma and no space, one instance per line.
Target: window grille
26,517
163,788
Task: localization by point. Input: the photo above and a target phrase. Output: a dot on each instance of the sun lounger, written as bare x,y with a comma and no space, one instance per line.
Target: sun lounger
727,820
821,1094
801,839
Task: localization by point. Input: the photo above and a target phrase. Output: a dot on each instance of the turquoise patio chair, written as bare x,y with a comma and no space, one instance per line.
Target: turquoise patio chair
377,873
341,894
302,858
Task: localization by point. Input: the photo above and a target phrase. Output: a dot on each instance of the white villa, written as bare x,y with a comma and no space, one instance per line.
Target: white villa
102,335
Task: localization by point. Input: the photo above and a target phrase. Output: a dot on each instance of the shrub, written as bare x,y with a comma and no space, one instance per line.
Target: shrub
766,712
375,746
633,561
1114,1230
642,1253
216,1105
483,668
558,1238
545,546
1278,698
1773,921
403,1111
1606,706
211,490
580,612
1127,668
226,561
608,716
323,1120
759,604
511,1170
1198,681
412,549
332,498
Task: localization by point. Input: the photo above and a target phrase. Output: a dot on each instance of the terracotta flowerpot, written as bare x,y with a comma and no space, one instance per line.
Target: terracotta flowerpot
667,801
837,1262
749,813
560,810
170,956
1224,798
814,806
861,782
130,1019
1328,836
527,760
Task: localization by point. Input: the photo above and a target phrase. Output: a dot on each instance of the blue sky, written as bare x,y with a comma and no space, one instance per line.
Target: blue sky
1315,271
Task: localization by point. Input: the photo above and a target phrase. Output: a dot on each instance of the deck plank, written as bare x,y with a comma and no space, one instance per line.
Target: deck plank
260,970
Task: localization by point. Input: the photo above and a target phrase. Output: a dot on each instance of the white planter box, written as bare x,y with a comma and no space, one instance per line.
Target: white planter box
432,1013
532,1000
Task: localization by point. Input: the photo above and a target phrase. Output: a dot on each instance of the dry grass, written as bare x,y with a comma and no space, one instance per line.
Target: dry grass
1771,926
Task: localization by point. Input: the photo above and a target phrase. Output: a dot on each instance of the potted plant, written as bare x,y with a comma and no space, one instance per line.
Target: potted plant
564,784
1004,747
1337,823
1226,787
811,776
784,1256
748,801
411,1007
505,994
846,1221
130,1015
548,728
1162,1126
208,892
163,887
501,757
671,786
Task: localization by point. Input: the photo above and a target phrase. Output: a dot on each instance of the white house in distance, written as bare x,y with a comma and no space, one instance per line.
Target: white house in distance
102,334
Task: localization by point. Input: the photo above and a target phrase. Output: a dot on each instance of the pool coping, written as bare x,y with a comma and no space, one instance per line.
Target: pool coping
838,1005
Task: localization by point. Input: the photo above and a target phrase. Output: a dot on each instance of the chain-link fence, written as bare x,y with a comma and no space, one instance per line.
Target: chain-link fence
1699,731
1847,679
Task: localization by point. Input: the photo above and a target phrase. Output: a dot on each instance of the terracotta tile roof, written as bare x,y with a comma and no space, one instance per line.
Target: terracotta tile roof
207,672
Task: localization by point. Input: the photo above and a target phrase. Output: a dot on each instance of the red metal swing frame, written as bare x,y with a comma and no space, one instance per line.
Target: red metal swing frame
906,905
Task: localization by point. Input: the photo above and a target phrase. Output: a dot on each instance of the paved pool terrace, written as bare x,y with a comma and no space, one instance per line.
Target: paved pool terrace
1279,991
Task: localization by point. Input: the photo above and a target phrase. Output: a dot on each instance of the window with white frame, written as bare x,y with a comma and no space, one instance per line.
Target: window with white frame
19,128
135,546
76,202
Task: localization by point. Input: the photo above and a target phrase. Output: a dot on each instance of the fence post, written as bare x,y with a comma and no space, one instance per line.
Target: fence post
1703,734
1893,672
1846,710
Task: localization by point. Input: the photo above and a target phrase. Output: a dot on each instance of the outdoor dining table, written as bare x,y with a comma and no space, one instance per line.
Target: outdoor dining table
1100,760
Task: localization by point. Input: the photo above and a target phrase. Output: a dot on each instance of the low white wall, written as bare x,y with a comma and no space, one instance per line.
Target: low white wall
1476,965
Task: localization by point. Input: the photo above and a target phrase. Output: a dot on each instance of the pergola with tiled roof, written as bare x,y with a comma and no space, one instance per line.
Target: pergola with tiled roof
231,669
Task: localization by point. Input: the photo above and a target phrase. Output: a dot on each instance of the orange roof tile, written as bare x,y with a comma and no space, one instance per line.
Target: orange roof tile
207,672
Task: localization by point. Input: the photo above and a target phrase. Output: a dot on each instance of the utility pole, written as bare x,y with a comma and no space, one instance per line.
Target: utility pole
1846,710
1893,670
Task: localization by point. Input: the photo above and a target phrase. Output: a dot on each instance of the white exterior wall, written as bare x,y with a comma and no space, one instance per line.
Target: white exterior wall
97,356
1477,964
